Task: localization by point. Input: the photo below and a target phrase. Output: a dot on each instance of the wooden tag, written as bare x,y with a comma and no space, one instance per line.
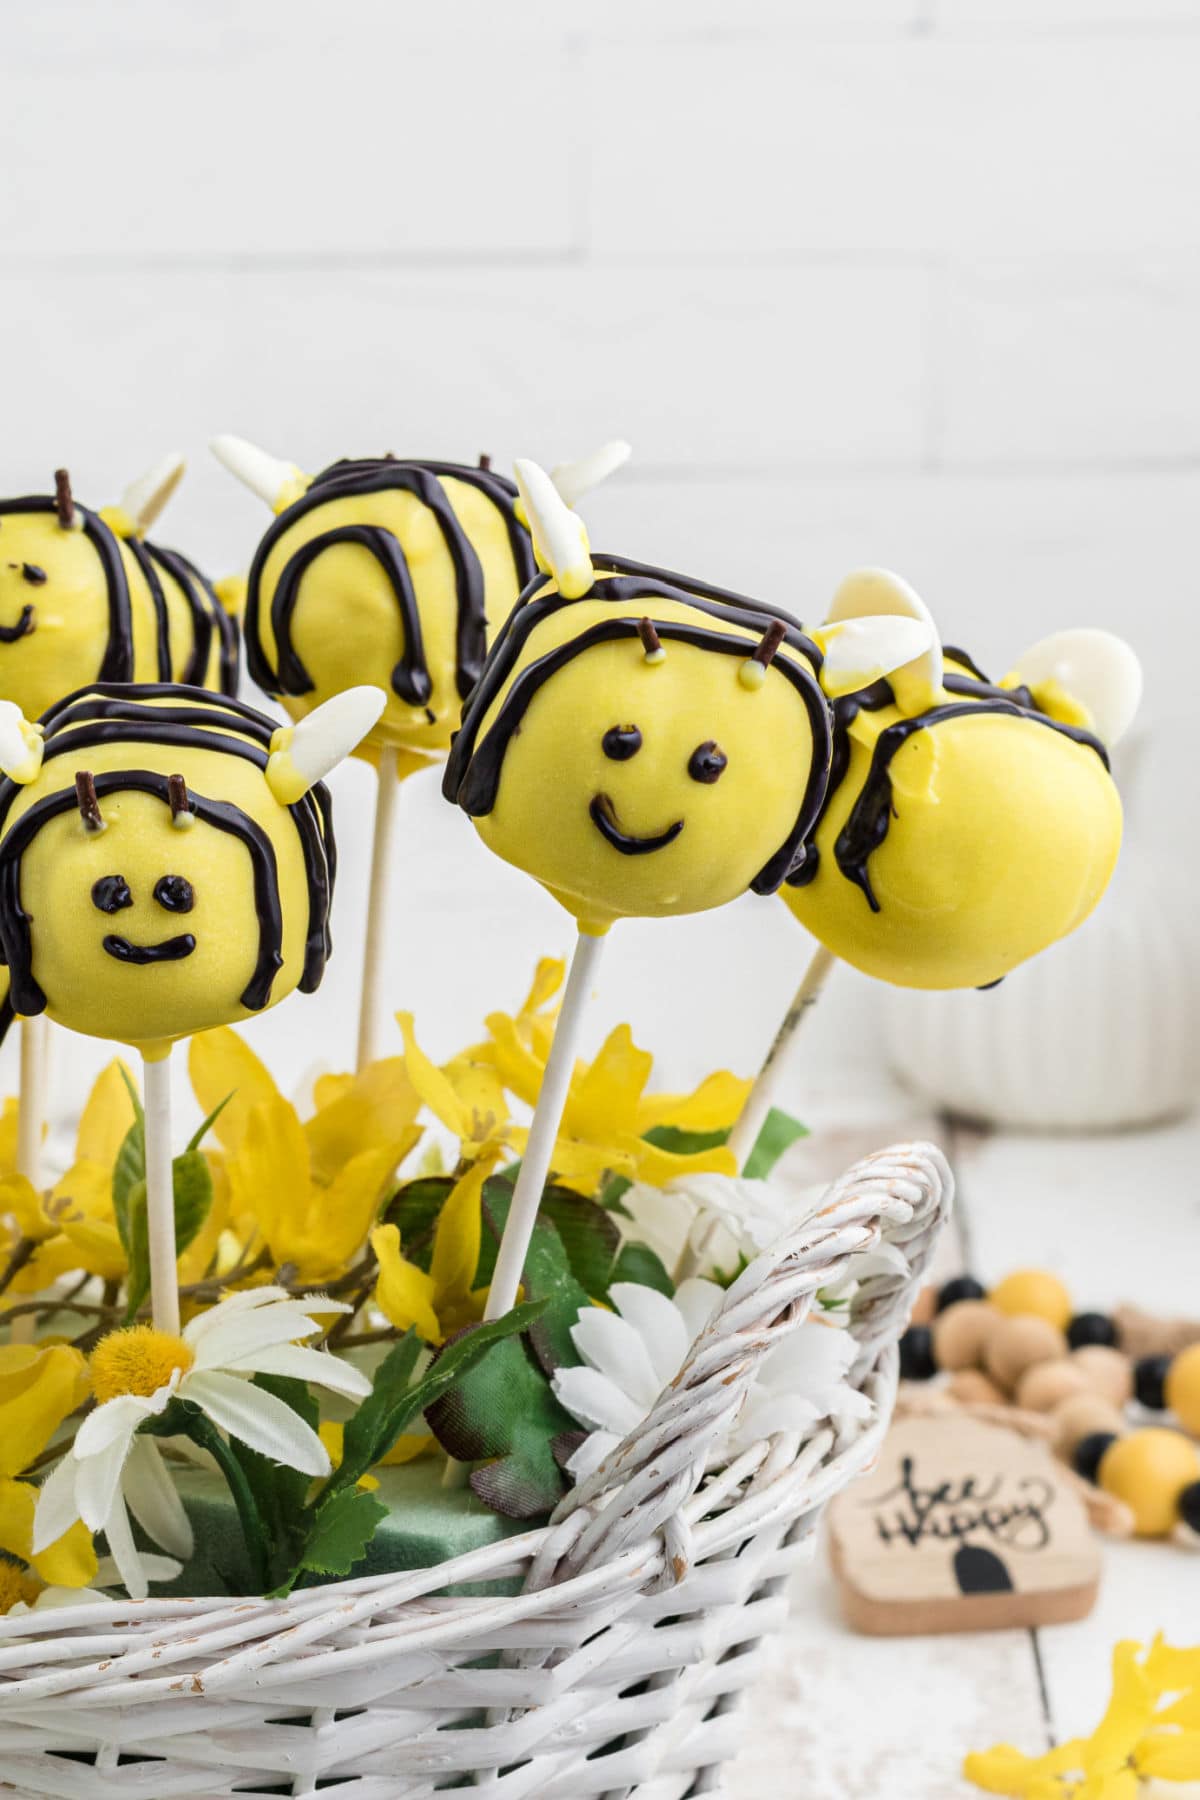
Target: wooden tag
961,1526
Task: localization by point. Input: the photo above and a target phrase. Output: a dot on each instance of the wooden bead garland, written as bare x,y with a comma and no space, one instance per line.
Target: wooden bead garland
1023,1344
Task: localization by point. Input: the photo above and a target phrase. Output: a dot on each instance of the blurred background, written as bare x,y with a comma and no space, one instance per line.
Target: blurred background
901,281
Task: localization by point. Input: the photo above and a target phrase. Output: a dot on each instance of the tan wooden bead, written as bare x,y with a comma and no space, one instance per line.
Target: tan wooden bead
1045,1385
1017,1344
924,1311
961,1333
971,1387
1106,1371
1079,1416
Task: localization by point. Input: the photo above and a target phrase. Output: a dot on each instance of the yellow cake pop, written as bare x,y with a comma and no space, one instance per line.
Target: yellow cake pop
968,824
642,743
387,570
84,597
166,857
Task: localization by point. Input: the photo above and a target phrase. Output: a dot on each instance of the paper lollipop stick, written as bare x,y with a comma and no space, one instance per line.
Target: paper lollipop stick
388,570
769,1080
645,745
166,866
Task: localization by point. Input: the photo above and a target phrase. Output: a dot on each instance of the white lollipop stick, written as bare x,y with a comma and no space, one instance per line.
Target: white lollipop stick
547,1117
160,1195
769,1079
31,1108
371,1010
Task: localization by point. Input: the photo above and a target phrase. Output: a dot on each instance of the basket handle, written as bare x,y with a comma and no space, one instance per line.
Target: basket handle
899,1198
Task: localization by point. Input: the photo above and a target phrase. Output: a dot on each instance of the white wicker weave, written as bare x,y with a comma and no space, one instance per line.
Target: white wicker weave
618,1668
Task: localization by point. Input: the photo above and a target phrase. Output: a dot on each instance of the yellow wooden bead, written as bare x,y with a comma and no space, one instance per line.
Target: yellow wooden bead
1033,1291
1149,1470
1182,1389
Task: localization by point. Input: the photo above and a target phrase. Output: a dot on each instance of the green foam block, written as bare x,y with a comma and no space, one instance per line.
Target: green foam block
427,1524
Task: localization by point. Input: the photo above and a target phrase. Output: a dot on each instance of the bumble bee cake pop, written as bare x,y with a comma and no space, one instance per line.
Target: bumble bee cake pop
84,597
968,825
166,864
644,745
389,570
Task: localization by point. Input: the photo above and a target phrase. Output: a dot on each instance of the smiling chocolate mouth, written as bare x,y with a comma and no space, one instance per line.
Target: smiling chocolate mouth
24,625
604,818
171,950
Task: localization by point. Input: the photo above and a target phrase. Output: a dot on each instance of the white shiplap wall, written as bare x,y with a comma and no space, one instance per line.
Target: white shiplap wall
885,280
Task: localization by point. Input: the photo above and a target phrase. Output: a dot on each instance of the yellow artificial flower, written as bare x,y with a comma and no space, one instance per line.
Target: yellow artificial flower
73,1224
1138,1740
608,1110
442,1301
307,1190
39,1387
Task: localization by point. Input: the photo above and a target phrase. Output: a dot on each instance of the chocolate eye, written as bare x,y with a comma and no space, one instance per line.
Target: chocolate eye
621,742
111,893
174,892
707,762
33,575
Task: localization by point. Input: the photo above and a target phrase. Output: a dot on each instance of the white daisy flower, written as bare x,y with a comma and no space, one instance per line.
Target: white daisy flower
111,1471
715,1220
632,1354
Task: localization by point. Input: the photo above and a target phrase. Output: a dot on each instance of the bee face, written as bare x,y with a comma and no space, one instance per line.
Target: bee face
636,787
53,610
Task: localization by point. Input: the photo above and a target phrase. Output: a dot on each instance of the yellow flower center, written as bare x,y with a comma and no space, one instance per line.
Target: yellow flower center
16,1584
136,1360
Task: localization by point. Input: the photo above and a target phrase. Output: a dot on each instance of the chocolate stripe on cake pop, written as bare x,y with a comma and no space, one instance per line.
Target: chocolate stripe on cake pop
158,599
27,996
481,770
410,680
208,615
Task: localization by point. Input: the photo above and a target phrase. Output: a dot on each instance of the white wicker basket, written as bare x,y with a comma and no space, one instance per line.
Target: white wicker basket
616,1670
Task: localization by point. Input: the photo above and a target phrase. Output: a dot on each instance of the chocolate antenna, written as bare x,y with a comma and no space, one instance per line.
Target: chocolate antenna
177,797
769,643
485,461
651,642
89,805
64,501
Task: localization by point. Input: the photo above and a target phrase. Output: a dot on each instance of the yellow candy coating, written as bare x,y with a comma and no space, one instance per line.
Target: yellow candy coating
392,573
634,780
1182,1388
1033,1292
84,603
148,929
982,838
1149,1470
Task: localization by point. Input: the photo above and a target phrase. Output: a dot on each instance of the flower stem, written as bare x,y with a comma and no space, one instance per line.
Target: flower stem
202,1431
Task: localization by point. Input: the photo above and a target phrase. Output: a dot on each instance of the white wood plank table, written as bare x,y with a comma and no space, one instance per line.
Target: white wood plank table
841,1717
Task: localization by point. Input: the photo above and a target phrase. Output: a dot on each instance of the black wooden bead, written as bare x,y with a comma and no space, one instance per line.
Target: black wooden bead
1091,1328
1089,1453
1189,1506
916,1354
1149,1380
963,1287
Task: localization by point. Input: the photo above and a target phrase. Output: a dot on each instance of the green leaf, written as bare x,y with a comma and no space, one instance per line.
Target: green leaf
342,1528
497,1197
503,1410
362,1447
637,1262
193,1185
414,1209
128,1170
201,1131
684,1143
135,1235
547,1277
134,1097
279,1491
590,1236
366,1435
780,1131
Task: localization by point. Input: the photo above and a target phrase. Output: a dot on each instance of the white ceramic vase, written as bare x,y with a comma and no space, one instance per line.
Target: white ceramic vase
1100,1032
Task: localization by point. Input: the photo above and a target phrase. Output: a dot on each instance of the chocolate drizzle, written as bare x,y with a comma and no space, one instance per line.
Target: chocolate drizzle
197,720
410,679
472,774
866,825
205,610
